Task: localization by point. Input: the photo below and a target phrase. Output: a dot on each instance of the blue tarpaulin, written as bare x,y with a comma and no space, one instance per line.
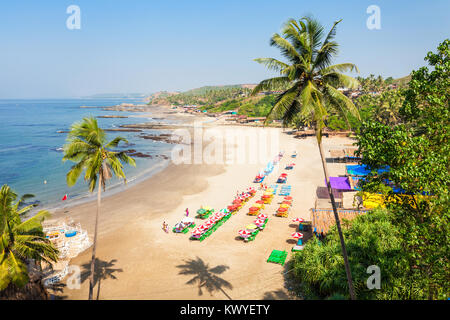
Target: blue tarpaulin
363,170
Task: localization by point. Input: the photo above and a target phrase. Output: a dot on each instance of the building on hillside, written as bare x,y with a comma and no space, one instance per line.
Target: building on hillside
256,119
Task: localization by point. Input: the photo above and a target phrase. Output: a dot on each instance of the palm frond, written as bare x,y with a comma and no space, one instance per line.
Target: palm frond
336,79
269,84
286,48
272,64
284,105
115,142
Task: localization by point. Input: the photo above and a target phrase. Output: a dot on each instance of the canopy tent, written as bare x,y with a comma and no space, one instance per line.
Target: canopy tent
340,183
187,220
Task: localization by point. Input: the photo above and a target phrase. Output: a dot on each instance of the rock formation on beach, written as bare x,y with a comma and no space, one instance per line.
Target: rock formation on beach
111,116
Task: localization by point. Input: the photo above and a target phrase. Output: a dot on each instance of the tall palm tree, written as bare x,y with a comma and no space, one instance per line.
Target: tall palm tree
312,84
88,148
21,241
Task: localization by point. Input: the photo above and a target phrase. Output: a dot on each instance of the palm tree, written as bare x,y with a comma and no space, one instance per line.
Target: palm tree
21,241
88,148
312,84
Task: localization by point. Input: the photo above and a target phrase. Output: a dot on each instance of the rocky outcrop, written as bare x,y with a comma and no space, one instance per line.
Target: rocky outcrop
111,116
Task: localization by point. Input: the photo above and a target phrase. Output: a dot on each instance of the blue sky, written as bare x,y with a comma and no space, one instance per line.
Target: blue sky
147,46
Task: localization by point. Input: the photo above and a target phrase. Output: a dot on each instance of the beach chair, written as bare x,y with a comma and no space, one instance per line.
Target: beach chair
282,179
285,191
275,188
277,256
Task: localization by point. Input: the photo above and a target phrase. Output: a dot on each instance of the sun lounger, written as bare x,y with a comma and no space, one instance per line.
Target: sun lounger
277,256
285,191
282,180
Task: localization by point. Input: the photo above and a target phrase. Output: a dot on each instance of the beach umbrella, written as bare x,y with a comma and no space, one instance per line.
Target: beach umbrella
288,198
244,233
259,222
253,209
187,220
283,175
251,226
260,201
266,196
297,235
202,228
196,233
237,201
179,225
297,220
284,205
282,209
262,216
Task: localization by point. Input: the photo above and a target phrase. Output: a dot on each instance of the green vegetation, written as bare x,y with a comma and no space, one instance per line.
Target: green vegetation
371,240
22,241
88,148
409,241
312,84
206,96
417,150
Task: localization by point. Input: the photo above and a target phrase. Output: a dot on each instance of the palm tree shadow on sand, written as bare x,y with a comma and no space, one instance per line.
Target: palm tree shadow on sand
103,270
206,277
276,295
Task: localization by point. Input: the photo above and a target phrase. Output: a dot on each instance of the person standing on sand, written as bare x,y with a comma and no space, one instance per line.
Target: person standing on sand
165,226
187,212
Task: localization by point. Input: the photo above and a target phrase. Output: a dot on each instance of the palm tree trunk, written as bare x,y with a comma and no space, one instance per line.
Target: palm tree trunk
94,244
338,224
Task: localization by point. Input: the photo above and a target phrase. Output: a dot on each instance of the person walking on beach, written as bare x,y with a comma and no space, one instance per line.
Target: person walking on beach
165,226
187,212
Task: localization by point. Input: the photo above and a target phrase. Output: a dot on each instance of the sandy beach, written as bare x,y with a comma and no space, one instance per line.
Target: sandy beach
140,261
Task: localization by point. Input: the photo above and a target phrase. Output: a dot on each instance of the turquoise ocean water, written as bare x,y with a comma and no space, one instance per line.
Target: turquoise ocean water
30,147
